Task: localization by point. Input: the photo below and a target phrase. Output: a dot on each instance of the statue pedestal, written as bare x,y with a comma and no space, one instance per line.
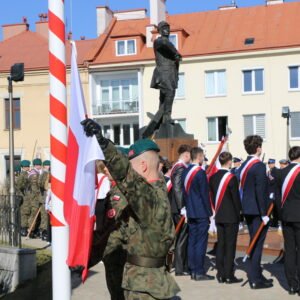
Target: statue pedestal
169,137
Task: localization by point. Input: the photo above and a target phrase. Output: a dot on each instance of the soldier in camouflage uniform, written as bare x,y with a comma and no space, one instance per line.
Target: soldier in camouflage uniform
150,229
22,186
44,182
36,198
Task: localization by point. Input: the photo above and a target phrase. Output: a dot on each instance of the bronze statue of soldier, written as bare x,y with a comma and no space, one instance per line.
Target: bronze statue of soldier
165,77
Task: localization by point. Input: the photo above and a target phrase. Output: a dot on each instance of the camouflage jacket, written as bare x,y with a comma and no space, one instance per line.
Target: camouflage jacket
44,181
22,183
150,231
118,210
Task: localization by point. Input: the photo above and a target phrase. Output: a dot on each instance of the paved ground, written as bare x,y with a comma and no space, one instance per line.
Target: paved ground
95,286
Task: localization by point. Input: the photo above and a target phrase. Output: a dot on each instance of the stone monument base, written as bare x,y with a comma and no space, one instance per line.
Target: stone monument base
16,266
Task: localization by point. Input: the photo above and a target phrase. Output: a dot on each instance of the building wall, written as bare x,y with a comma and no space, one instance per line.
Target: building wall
33,139
196,107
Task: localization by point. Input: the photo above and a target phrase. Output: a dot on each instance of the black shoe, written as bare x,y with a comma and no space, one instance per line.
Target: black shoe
203,277
293,290
233,280
24,231
182,274
260,285
220,279
264,279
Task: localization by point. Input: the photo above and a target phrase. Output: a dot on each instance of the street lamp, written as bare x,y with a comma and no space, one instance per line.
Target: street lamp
16,74
286,114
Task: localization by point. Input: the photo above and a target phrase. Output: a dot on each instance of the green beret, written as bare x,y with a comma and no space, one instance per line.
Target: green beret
123,150
142,146
17,168
46,163
25,163
37,162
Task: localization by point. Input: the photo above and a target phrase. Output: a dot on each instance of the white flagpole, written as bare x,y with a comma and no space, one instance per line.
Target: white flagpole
61,279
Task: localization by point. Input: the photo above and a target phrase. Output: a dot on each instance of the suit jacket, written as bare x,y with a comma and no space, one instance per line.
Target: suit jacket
165,75
197,198
290,212
255,199
176,191
230,208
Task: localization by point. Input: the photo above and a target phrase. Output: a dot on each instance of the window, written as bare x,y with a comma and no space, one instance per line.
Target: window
295,125
174,40
253,81
120,94
16,113
294,78
182,123
217,128
17,161
122,134
180,92
255,124
215,83
127,47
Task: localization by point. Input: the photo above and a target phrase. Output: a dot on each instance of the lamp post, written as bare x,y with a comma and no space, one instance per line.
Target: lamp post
286,114
16,74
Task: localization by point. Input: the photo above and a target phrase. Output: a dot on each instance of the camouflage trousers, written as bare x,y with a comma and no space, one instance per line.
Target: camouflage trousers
131,295
35,204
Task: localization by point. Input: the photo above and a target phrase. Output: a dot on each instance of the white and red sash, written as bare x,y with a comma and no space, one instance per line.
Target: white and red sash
176,165
288,183
169,185
251,162
222,189
190,176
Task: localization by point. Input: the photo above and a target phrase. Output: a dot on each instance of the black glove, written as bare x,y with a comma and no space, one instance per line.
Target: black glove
91,128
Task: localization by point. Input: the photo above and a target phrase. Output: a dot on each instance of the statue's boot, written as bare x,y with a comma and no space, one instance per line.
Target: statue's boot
154,124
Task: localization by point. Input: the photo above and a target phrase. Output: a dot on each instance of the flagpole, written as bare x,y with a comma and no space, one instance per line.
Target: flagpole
61,279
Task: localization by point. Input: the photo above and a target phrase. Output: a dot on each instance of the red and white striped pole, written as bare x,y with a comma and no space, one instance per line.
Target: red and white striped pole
61,279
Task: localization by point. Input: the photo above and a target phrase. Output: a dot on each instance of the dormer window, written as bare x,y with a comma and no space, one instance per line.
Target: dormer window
174,40
126,47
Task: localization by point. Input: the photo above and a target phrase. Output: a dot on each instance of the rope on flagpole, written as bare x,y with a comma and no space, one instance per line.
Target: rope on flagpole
61,281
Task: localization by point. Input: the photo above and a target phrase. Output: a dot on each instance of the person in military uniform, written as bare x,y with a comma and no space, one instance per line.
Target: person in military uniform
36,199
22,186
44,183
150,228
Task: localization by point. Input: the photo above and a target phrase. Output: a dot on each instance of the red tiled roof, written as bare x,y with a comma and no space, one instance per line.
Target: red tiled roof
206,33
216,32
32,49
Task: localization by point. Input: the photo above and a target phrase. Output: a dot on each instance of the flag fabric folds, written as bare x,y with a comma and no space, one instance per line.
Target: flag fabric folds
82,151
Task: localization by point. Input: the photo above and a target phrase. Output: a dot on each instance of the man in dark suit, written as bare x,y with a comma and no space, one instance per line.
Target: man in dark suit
224,189
198,211
181,259
288,180
255,202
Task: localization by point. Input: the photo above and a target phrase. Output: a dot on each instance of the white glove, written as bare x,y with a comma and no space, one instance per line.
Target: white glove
183,212
265,219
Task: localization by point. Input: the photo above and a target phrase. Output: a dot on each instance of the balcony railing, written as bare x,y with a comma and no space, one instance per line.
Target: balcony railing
116,107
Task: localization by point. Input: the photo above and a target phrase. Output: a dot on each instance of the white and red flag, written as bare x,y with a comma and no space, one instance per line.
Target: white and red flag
215,163
82,151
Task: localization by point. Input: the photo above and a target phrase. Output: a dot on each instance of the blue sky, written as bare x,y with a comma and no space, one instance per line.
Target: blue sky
81,14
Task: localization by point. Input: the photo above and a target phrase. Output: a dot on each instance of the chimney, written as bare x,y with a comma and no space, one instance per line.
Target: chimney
157,14
157,11
11,30
233,5
104,16
41,27
272,2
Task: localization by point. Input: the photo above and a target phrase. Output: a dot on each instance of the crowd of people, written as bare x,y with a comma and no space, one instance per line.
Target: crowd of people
32,183
152,208
153,215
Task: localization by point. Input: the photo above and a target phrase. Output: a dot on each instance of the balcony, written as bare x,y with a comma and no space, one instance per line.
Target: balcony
116,107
